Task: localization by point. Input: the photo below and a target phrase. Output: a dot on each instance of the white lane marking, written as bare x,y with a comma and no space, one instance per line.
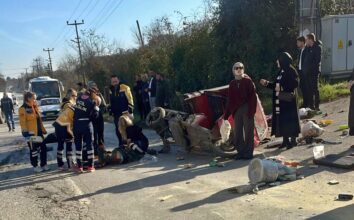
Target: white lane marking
77,191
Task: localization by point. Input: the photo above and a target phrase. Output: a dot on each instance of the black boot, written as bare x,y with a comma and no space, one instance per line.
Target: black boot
285,143
351,131
292,143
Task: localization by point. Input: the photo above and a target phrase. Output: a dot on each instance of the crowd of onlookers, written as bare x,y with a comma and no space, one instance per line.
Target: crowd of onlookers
150,91
83,108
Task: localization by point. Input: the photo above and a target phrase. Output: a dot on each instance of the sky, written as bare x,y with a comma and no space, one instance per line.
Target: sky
29,26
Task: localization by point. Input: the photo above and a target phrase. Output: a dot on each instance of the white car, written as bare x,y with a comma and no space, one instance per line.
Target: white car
49,107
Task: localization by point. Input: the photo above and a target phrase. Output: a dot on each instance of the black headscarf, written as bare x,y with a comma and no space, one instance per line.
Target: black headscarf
285,60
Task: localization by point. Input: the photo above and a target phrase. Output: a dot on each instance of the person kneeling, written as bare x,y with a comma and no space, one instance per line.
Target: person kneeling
134,145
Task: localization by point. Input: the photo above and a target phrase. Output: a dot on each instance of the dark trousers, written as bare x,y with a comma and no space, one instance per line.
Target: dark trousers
244,132
9,117
304,87
35,150
314,94
119,136
63,137
82,133
146,105
98,133
140,106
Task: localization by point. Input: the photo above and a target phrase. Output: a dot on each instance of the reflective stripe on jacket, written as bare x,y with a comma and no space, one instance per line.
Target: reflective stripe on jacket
28,119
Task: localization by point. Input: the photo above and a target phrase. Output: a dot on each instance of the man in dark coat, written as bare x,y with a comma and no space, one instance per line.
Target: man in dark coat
162,91
285,121
304,84
312,69
138,94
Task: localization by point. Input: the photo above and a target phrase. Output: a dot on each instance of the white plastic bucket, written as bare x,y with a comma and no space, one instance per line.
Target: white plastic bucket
318,152
262,171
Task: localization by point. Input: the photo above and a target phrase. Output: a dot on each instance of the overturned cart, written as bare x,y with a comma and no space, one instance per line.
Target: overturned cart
197,127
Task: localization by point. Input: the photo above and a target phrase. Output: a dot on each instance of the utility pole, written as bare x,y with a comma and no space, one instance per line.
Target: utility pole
141,36
50,60
78,45
37,60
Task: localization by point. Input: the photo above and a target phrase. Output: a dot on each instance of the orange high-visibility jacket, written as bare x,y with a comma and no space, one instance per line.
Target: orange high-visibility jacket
28,119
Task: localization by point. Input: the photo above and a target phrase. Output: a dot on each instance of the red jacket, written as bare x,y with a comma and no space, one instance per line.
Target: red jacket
241,92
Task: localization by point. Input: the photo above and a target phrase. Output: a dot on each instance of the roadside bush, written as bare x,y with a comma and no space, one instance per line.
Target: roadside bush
330,92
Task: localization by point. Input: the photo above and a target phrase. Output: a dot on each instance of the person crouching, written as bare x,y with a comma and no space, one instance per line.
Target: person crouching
64,129
133,147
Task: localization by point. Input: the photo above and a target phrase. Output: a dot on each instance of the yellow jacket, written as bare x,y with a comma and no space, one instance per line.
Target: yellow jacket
66,104
28,119
66,117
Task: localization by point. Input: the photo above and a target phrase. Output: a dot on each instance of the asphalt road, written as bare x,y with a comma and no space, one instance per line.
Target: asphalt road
166,190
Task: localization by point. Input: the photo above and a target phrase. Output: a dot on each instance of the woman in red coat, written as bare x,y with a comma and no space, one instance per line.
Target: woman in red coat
242,104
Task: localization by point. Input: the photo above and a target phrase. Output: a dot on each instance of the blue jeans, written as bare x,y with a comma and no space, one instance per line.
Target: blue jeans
9,118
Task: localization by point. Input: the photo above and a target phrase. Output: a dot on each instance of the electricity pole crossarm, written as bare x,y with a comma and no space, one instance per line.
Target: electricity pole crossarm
78,45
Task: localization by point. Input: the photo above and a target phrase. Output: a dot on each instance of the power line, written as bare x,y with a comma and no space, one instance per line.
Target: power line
109,15
68,30
94,23
91,9
62,30
82,12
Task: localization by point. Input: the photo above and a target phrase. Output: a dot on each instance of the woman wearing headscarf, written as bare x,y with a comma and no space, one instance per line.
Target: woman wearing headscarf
32,125
286,122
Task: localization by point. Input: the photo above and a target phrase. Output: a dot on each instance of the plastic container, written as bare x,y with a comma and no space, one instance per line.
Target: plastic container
318,152
225,130
262,171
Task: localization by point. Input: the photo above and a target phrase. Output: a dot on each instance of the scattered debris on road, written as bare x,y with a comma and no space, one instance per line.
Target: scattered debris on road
344,197
333,182
338,161
179,158
162,199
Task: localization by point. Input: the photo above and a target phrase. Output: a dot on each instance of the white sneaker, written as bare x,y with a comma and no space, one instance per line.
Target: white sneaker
37,169
46,168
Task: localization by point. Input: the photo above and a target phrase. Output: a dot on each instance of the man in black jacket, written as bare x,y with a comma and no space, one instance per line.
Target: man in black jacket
121,101
162,91
312,69
304,84
8,109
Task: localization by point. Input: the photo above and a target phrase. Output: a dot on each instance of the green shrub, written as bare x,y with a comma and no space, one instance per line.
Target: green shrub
330,92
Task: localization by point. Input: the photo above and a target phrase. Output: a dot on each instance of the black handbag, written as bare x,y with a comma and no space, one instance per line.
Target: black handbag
286,96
